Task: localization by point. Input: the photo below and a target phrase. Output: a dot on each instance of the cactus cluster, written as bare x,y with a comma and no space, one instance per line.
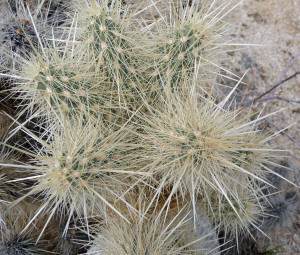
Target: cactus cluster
126,145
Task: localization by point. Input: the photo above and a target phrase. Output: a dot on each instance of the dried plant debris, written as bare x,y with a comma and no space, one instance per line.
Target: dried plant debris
22,31
73,242
19,237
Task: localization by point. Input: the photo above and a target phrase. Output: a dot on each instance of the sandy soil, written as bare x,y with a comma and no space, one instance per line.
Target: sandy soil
275,25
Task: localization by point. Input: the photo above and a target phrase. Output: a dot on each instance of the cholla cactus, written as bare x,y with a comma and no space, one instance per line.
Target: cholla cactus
194,148
189,46
82,169
149,233
53,83
106,33
235,218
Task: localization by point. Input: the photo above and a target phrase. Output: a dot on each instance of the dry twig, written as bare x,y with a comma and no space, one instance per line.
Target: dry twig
259,98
